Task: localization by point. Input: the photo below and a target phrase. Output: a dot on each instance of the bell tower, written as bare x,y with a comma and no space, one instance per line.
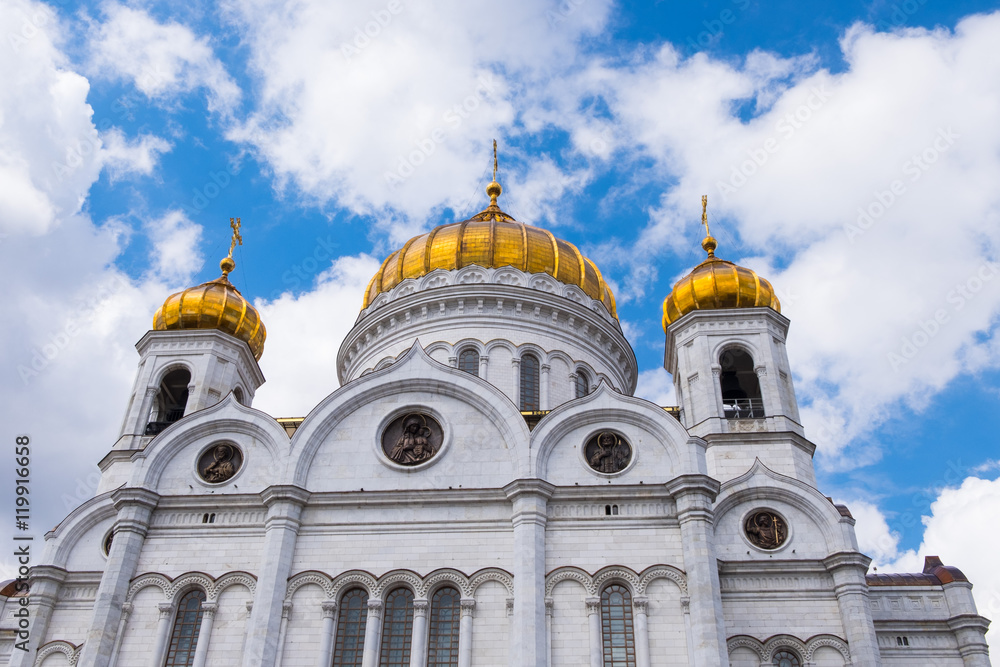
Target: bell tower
204,344
725,348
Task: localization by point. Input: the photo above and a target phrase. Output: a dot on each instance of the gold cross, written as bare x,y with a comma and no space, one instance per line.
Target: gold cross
237,239
704,213
494,159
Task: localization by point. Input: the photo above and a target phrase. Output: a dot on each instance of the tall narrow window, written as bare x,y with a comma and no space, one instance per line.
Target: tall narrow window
446,610
529,382
187,624
468,361
349,648
616,622
582,383
397,629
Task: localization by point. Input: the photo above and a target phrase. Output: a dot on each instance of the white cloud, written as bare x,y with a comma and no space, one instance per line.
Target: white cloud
176,253
959,530
140,156
162,60
914,110
304,333
656,385
418,97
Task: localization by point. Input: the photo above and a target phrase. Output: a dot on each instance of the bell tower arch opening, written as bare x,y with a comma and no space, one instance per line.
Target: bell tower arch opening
741,397
171,400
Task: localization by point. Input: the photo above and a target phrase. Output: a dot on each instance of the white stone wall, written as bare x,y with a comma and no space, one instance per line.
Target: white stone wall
225,648
140,634
570,634
491,626
305,623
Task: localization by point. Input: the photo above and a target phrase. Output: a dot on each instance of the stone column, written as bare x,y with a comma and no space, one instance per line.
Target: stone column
126,612
484,367
163,626
549,604
208,610
970,631
329,608
695,495
135,509
418,642
640,605
848,569
281,528
530,499
373,634
45,582
543,388
515,365
596,635
453,362
465,633
286,609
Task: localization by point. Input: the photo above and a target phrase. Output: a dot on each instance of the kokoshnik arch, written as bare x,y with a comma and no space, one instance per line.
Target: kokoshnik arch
482,489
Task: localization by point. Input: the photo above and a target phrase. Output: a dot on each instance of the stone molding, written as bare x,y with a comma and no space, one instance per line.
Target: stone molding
423,587
71,651
172,587
636,582
806,649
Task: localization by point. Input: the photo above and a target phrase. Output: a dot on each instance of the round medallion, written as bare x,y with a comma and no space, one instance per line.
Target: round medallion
412,439
220,462
107,542
608,452
765,529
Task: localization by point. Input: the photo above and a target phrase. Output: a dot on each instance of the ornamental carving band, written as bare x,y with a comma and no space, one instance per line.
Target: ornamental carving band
765,529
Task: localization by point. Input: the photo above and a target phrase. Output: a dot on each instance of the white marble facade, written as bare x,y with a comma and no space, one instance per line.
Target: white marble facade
513,518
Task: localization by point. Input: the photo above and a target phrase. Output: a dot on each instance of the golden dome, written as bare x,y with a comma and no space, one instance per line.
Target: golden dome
214,305
491,239
715,284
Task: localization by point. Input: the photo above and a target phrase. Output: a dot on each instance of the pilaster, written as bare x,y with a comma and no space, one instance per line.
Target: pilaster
848,570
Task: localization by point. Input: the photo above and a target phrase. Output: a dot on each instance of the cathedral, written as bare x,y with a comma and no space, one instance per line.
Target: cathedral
483,489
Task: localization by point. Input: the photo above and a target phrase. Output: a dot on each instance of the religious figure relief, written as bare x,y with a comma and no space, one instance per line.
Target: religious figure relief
608,453
219,463
412,439
766,529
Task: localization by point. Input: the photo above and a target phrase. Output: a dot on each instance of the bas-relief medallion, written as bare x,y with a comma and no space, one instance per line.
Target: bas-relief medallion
412,439
765,529
608,452
219,463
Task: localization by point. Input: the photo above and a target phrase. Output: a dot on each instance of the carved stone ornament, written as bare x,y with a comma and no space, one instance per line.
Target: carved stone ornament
608,452
412,439
765,529
220,462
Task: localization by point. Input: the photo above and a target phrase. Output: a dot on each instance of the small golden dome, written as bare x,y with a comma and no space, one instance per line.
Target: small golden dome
491,239
716,284
214,305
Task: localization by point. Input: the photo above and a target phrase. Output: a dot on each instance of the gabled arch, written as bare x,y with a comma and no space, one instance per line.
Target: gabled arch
77,523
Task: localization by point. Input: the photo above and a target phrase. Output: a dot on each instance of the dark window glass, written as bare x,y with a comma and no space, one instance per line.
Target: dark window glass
529,382
740,387
468,361
616,622
352,618
446,610
786,659
582,384
397,629
187,624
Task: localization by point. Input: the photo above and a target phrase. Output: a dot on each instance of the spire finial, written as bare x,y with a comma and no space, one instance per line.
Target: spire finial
228,264
494,189
708,244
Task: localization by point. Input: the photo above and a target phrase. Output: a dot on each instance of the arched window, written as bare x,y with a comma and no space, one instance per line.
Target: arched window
468,361
238,395
616,623
582,383
446,610
785,658
529,383
740,387
187,624
352,619
397,629
171,399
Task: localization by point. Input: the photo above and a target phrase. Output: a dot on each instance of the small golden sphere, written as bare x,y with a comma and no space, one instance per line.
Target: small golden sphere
709,245
227,264
493,189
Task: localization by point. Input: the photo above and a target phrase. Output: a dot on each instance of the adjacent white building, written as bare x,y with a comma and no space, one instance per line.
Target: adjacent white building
482,490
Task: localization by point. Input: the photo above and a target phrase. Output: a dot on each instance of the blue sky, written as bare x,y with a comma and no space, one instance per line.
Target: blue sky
850,152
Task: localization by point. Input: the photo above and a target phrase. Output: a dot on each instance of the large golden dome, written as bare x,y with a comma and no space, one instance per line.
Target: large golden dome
491,239
214,305
716,284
